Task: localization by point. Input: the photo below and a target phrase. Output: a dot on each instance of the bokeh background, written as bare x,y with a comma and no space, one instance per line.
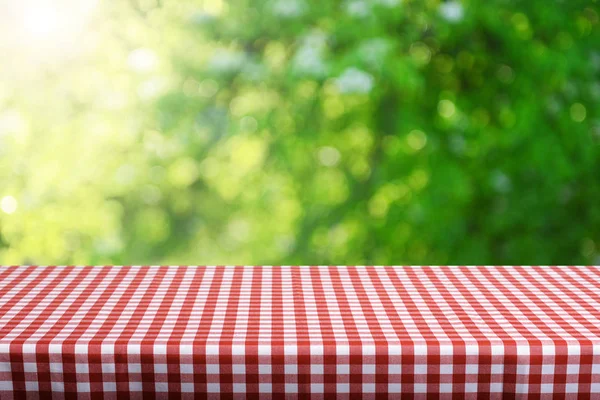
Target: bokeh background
299,132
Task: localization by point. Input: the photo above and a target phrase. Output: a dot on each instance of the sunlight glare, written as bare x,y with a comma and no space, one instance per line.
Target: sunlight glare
44,30
42,21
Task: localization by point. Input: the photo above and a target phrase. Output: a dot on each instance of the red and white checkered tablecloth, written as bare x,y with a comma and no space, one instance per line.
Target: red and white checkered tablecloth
285,332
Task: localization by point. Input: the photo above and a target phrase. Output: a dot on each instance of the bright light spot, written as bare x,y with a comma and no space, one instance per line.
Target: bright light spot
329,156
248,152
151,194
357,8
309,59
418,179
288,8
227,61
353,80
125,174
390,3
416,139
8,204
208,88
114,100
142,60
191,87
521,24
239,230
11,122
213,7
41,21
578,112
248,124
108,245
338,235
420,52
378,206
375,50
183,172
452,11
46,28
446,108
333,107
152,88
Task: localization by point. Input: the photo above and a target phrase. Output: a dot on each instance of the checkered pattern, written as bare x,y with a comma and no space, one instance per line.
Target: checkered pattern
249,332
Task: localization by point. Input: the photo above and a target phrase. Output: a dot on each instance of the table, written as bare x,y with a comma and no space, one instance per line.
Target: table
285,332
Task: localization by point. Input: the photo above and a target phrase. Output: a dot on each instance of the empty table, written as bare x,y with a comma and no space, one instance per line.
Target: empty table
290,331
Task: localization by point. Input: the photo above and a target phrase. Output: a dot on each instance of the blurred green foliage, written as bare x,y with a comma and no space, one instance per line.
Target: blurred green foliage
300,131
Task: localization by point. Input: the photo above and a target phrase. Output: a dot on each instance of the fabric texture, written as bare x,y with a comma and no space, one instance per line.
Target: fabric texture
286,332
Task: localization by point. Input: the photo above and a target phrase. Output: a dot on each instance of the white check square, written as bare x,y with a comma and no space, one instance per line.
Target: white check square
56,368
27,367
317,387
187,387
368,369
161,387
213,387
394,369
291,369
420,369
394,388
265,387
546,388
291,388
445,388
134,368
212,368
186,368
239,387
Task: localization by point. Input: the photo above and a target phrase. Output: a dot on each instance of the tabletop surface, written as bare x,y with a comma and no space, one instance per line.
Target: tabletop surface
310,305
279,332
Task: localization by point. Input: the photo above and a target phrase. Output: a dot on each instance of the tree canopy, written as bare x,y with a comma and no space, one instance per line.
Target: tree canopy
300,132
